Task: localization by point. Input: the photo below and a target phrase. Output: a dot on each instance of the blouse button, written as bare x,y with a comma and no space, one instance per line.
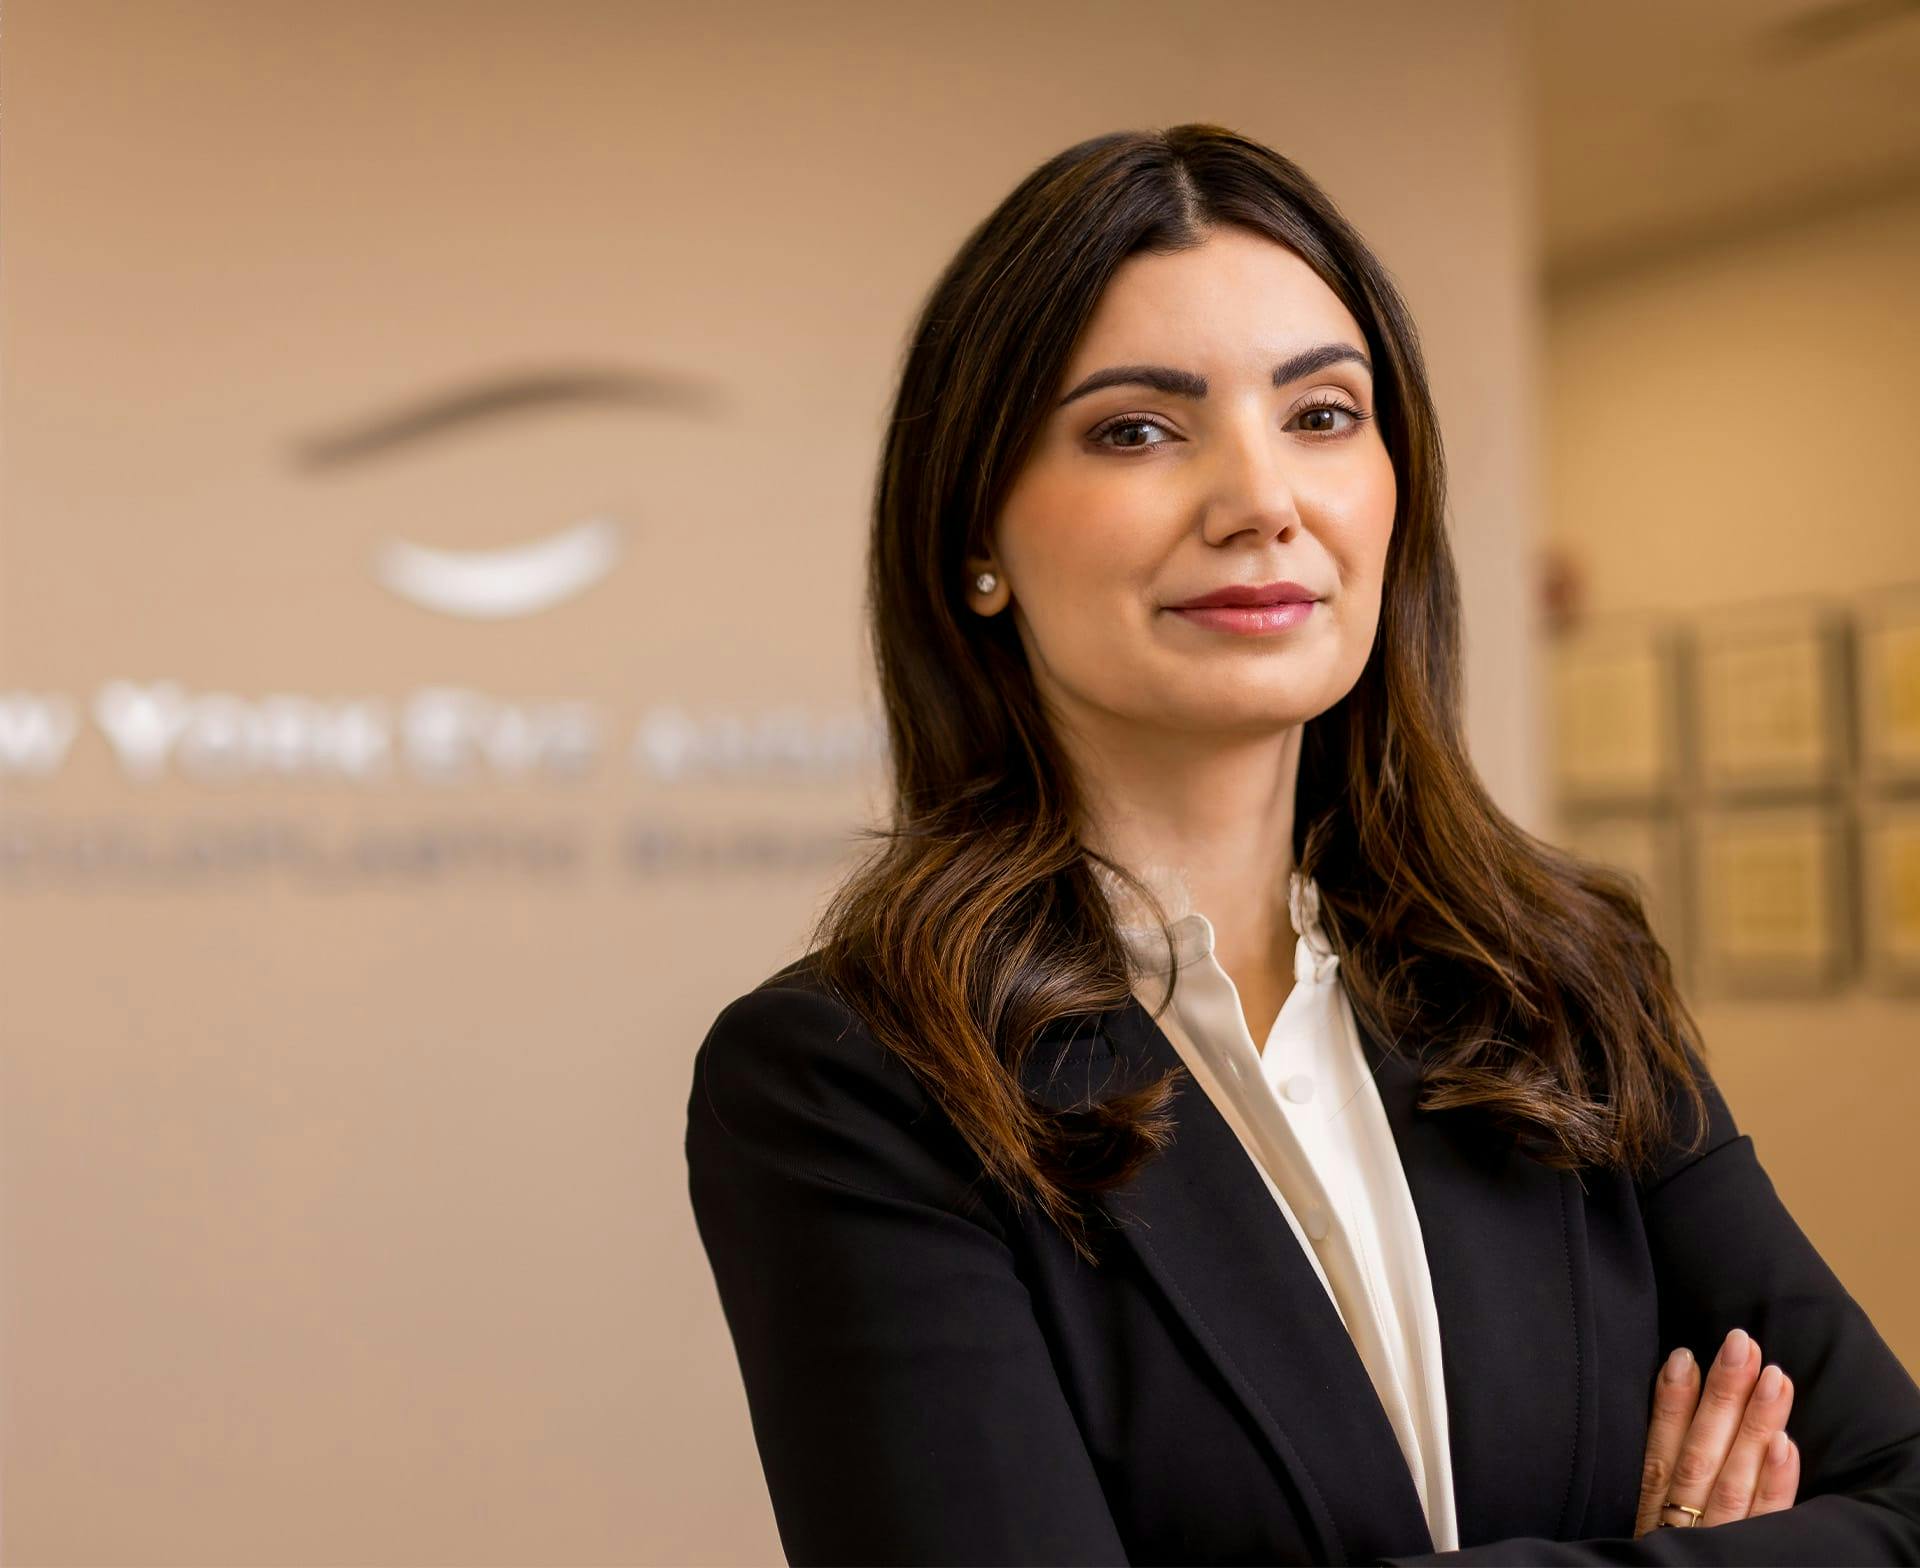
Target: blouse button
1317,1223
1299,1089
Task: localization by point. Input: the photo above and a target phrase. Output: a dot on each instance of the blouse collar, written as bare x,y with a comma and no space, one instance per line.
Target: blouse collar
1193,934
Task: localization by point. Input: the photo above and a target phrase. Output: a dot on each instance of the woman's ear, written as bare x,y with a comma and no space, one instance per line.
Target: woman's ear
987,589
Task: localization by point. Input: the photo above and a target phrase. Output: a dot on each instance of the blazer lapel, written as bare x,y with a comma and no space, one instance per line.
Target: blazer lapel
1205,1227
1505,1240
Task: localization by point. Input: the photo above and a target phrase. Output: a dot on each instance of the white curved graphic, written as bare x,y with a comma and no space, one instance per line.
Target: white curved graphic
495,584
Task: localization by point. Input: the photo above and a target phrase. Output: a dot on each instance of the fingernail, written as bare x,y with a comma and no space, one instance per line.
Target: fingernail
1770,1381
1733,1354
1678,1365
1777,1448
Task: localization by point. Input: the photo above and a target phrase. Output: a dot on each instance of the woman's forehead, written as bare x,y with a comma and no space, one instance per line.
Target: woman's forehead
1251,301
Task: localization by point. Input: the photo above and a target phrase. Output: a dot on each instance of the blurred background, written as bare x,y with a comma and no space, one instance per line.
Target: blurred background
437,437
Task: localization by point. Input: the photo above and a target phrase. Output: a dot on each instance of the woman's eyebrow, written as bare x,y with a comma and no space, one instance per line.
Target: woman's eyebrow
1184,383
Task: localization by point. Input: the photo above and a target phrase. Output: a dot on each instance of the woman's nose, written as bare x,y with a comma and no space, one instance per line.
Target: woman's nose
1249,486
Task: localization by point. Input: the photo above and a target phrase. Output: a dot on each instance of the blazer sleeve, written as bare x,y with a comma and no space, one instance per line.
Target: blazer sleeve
902,1396
1726,1254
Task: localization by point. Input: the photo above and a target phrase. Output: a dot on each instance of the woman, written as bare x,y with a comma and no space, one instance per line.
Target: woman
1167,630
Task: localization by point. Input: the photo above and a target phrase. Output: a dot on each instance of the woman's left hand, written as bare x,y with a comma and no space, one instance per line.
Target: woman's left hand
1723,1449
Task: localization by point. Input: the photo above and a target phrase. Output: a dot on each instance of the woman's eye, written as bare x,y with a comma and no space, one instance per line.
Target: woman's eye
1118,425
1322,418
1129,432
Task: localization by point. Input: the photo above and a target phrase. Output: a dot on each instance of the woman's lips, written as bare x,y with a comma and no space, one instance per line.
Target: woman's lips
1251,619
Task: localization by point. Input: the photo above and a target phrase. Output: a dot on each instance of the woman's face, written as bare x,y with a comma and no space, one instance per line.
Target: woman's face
1174,463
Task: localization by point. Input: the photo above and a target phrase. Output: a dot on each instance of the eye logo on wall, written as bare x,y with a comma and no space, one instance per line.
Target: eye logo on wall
517,580
442,732
493,584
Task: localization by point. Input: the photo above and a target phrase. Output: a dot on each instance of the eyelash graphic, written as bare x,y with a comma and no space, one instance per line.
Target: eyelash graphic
1121,421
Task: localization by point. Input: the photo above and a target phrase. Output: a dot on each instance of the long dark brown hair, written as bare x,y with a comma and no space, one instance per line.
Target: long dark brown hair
1536,993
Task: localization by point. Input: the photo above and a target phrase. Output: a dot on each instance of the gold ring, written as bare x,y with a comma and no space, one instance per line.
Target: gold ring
1693,1515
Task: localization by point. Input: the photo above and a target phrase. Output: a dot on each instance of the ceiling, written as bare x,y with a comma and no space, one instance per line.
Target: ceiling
1668,125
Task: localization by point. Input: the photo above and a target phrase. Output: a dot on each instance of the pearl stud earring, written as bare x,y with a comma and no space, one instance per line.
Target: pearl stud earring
985,581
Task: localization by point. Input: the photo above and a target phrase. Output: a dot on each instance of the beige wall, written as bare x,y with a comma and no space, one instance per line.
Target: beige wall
1736,424
344,1203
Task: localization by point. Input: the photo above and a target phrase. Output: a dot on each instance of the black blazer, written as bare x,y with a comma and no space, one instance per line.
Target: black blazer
932,1379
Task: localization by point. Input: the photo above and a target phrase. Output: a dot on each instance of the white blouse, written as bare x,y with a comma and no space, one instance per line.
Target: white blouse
1308,1113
